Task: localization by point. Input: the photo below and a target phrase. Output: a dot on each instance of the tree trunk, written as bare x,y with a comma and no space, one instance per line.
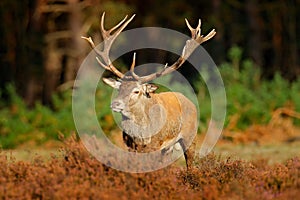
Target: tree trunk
255,32
52,71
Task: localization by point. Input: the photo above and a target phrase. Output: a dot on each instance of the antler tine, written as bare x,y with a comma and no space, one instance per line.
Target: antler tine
199,25
105,32
120,27
89,40
108,39
134,75
188,49
133,62
188,24
211,34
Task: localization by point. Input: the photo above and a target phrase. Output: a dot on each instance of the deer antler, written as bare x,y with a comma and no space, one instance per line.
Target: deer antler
188,49
108,39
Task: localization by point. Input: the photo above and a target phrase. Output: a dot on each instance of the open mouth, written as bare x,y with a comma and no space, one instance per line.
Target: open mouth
117,109
122,111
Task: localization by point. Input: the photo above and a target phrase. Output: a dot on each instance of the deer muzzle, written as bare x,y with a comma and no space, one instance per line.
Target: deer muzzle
117,106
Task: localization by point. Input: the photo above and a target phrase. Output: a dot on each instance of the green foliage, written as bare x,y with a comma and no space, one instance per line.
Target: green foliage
20,124
250,97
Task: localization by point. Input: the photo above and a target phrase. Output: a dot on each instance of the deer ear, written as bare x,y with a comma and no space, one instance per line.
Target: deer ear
112,82
150,88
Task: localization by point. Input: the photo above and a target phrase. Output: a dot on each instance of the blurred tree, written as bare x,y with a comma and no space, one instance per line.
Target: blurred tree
21,44
64,48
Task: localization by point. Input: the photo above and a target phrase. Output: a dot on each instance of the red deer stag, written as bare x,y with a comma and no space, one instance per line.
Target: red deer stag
151,121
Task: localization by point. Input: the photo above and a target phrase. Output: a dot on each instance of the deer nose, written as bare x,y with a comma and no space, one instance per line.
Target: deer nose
117,106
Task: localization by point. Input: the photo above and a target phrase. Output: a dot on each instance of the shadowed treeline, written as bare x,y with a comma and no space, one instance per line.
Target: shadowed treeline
41,49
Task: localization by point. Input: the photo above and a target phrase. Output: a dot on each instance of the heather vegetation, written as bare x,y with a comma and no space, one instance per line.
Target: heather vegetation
74,174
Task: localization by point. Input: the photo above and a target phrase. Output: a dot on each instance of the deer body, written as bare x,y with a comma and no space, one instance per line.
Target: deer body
151,121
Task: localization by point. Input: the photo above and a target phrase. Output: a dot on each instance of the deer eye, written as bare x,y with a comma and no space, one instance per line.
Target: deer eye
136,92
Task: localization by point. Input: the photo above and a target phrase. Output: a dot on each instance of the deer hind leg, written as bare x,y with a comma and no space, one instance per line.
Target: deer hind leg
166,154
189,153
